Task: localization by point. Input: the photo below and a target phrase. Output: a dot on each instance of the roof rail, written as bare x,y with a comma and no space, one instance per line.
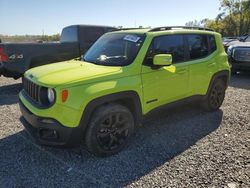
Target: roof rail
120,29
179,27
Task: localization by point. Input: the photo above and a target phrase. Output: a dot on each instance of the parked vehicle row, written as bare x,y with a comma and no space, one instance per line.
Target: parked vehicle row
123,76
239,54
227,41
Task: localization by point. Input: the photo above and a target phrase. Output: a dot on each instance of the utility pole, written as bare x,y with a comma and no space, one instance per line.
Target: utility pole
43,38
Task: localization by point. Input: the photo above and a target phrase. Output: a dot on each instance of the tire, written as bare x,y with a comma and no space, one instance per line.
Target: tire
215,97
109,130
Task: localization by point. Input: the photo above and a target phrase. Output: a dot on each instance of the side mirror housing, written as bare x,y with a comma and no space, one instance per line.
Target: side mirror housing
162,59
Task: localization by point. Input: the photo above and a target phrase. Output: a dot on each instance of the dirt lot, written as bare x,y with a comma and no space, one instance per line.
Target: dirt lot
179,147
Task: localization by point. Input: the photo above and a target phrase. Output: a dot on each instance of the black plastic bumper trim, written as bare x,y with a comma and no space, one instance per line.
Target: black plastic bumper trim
34,125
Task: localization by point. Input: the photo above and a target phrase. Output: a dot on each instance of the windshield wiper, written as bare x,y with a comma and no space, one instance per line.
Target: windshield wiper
89,61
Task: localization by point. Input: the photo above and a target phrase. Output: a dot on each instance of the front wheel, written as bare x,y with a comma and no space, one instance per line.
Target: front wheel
109,130
215,97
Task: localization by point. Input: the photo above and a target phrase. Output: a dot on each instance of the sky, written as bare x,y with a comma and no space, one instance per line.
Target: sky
19,17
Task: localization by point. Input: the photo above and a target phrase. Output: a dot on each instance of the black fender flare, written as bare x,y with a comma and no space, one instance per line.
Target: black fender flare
131,98
224,74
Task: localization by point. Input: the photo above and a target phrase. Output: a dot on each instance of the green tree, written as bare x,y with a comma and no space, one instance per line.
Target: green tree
194,23
236,15
233,20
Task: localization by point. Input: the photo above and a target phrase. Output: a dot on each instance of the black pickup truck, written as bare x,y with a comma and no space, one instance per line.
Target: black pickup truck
239,54
75,40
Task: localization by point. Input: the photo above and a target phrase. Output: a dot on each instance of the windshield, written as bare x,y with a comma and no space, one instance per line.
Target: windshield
247,39
115,49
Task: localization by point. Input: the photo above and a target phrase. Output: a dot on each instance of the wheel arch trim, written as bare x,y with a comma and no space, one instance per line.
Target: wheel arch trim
218,75
132,96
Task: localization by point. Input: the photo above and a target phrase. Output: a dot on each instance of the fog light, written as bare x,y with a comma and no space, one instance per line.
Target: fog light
48,134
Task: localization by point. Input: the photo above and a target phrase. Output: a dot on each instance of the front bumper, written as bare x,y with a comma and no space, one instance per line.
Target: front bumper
49,131
7,73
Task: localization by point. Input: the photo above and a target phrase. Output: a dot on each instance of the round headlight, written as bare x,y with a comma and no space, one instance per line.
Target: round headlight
51,95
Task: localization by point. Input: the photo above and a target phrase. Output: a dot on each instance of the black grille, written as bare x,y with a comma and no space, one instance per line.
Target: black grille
31,89
241,54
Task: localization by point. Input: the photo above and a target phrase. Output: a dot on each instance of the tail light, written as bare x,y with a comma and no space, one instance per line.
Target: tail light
3,55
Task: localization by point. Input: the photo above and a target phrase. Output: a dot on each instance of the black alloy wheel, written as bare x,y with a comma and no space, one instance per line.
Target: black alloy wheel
113,131
215,97
109,130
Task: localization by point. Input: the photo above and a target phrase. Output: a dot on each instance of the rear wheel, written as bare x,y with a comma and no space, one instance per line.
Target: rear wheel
215,97
109,130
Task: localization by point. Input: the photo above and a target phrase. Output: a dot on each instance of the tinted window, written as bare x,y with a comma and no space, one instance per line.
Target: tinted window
212,43
170,44
198,46
69,34
247,39
92,33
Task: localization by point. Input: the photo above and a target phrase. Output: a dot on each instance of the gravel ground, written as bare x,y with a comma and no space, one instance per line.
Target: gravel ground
179,147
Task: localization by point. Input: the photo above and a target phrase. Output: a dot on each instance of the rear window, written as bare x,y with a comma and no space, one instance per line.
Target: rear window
69,34
247,39
92,33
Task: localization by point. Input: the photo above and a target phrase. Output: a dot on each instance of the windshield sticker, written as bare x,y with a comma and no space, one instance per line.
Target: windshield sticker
131,38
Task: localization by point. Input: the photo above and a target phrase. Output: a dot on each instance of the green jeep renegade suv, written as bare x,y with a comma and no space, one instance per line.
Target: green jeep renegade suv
121,78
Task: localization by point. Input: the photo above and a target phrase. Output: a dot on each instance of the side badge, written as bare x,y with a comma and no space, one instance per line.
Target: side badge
16,56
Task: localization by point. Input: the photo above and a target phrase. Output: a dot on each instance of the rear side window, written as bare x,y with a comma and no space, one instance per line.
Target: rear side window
197,46
182,47
169,44
212,43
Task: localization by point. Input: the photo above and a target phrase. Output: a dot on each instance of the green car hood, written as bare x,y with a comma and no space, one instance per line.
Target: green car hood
69,72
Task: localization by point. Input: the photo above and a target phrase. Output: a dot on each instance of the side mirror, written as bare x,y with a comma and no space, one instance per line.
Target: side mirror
162,59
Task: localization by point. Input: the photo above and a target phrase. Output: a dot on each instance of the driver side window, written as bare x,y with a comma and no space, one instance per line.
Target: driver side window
168,44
